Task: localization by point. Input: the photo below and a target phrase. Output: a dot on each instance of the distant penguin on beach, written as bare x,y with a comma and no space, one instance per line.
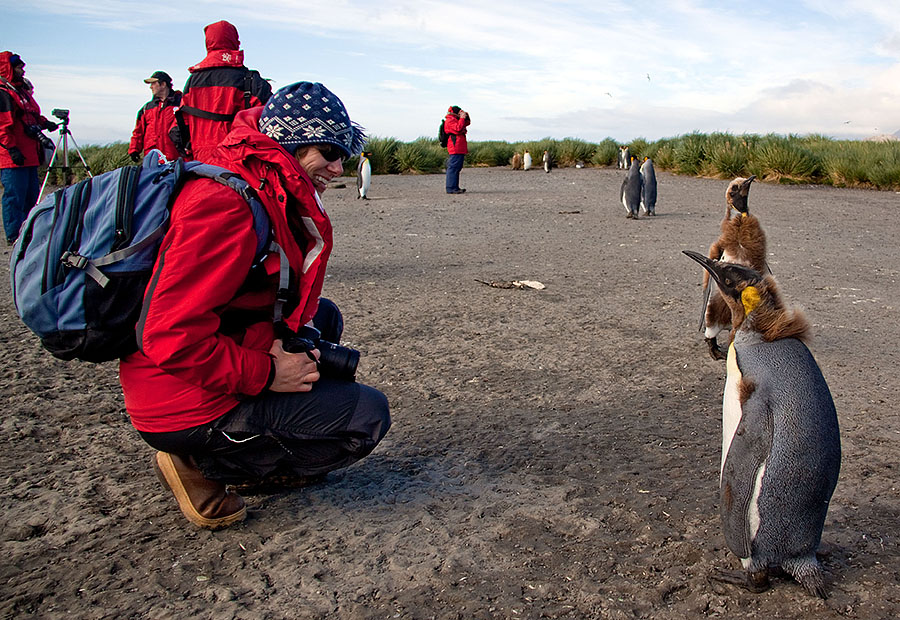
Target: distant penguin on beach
781,446
526,165
630,194
547,161
648,187
363,176
626,158
743,241
516,161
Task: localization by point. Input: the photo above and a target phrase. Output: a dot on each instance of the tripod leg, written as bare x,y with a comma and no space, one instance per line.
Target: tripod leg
81,157
50,166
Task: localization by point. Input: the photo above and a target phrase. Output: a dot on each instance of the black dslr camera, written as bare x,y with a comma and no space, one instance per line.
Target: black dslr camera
61,114
334,360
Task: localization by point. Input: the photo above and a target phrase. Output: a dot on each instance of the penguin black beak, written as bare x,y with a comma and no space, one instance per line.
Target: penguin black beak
731,278
707,263
745,186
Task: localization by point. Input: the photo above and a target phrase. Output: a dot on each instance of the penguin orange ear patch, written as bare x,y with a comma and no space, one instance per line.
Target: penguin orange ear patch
750,299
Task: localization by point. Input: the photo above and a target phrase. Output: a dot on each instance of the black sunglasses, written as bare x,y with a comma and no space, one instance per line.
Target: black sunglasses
331,153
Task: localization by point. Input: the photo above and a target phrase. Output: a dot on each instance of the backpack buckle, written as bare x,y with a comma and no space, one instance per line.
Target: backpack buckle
71,259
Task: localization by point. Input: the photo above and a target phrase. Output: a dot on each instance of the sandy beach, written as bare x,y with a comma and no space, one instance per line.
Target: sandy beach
554,453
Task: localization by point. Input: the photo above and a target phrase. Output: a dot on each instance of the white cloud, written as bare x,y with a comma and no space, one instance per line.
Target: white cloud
527,69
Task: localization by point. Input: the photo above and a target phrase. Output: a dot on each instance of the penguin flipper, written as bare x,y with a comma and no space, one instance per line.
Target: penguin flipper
744,468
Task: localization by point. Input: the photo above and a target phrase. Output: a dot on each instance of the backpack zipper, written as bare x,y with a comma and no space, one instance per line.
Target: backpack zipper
128,185
71,236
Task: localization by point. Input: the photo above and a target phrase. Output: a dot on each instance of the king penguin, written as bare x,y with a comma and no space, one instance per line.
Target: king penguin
742,240
363,175
547,161
626,157
630,194
648,187
526,161
781,446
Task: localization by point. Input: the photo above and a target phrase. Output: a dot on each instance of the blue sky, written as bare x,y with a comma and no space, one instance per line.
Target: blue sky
524,70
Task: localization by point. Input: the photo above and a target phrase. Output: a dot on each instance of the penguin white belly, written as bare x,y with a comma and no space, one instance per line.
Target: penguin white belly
527,163
731,405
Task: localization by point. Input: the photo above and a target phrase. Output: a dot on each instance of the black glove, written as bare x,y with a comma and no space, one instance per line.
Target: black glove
51,126
16,155
135,157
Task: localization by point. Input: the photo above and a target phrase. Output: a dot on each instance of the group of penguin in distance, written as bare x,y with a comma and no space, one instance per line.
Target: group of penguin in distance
781,448
524,162
638,191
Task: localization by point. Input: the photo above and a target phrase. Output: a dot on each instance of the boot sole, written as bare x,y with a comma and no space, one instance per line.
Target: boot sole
168,476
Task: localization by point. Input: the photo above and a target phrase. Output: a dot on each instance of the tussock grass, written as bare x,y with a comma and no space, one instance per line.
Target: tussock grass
771,157
423,156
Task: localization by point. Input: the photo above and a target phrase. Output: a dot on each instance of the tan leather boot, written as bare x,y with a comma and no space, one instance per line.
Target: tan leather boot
205,503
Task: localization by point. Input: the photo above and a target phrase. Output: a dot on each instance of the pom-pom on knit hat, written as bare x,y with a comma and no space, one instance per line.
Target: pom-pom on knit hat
308,113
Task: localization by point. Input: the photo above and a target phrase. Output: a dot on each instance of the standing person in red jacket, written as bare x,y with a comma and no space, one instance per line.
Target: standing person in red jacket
455,124
219,86
212,388
156,119
20,146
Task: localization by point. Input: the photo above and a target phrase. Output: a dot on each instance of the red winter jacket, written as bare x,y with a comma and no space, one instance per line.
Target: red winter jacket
219,86
18,109
199,351
456,127
151,131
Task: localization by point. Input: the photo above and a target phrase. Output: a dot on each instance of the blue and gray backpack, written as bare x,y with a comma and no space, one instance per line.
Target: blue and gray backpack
85,254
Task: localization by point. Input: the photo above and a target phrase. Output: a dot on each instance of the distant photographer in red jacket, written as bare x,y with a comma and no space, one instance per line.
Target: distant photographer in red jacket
20,144
213,387
156,119
218,88
455,124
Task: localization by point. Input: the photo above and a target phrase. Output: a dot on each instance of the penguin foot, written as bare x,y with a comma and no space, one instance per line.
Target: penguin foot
808,574
630,216
714,351
756,582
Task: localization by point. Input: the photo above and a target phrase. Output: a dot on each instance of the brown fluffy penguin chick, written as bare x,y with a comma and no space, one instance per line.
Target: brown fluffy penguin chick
741,241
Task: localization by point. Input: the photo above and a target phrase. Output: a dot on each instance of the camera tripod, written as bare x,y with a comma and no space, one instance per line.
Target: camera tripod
63,141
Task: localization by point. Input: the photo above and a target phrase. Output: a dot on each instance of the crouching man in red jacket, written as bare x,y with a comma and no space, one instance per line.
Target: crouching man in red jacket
212,388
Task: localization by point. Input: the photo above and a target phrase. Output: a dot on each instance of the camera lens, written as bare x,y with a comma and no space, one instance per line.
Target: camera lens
338,361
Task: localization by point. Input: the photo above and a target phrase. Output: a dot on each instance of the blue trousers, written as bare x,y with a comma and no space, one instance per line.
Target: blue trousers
20,193
283,433
454,165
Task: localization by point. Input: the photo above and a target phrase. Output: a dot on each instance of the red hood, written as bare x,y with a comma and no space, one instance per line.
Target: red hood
273,171
6,71
222,47
221,36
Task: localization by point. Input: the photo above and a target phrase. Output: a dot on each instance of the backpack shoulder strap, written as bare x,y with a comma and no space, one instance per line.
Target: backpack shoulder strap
261,224
248,89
